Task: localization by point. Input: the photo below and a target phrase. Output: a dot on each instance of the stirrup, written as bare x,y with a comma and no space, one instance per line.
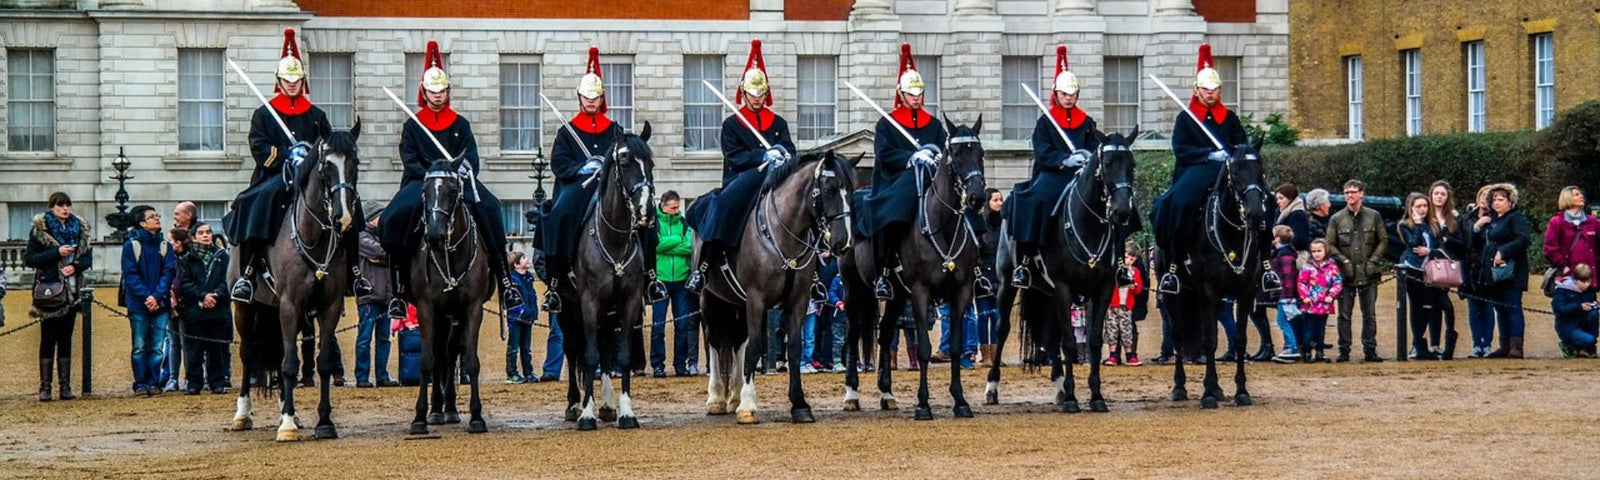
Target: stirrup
695,283
361,288
1020,277
510,297
882,289
243,290
656,291
1169,283
397,308
1271,282
819,293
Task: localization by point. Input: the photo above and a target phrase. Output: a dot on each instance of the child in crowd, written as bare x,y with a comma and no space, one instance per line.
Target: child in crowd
1577,314
1285,262
519,322
1119,318
1319,287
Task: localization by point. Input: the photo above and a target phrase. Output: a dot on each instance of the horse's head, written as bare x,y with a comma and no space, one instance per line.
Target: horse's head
442,192
1114,165
632,172
964,157
1246,175
334,172
832,180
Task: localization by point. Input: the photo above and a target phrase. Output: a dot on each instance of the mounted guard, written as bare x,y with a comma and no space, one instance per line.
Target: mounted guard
892,203
1055,163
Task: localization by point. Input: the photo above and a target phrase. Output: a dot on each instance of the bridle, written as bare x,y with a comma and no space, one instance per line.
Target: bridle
637,195
452,244
1215,218
816,238
963,235
326,230
1107,191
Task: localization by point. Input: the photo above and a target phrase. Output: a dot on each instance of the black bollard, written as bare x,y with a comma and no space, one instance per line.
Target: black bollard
87,370
1400,328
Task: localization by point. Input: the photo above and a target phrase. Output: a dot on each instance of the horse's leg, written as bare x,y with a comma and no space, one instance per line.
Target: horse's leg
248,364
921,301
958,333
453,354
419,423
1241,396
1098,305
1211,391
1004,302
442,362
327,360
733,363
716,389
755,326
591,361
470,364
633,311
1067,343
795,311
854,337
886,333
288,371
571,343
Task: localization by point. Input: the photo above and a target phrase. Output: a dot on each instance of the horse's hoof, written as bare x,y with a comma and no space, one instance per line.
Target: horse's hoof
991,398
628,423
748,417
717,408
852,405
241,424
888,404
1098,406
477,426
1243,400
1070,406
1179,395
923,413
1208,402
608,414
802,415
326,432
963,411
288,435
587,424
436,418
572,414
452,418
419,428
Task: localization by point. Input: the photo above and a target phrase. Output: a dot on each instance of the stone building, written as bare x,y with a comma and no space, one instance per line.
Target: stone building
1387,68
86,79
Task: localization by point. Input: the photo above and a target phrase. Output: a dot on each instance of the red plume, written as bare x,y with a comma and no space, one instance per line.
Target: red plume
594,62
1205,58
906,63
755,61
291,48
1061,59
429,60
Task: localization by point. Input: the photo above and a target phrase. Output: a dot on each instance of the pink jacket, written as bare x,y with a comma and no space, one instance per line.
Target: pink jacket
1560,247
1320,285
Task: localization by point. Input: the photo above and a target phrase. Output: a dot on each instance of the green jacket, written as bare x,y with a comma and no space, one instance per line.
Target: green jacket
1358,242
675,247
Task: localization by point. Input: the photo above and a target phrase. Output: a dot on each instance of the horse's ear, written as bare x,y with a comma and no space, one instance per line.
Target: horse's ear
977,127
1100,135
854,162
1256,143
355,131
645,134
949,126
1134,135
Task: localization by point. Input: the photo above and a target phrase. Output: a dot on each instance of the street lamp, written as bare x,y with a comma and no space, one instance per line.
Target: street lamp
533,216
119,220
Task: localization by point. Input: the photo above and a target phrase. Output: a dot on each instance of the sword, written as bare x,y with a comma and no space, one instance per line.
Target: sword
736,114
875,106
263,99
566,125
472,175
1185,109
1046,111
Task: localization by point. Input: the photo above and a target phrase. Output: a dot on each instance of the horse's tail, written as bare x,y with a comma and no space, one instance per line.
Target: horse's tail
1029,308
261,346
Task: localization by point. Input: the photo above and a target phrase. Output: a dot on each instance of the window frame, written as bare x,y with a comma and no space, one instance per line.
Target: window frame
322,84
1355,96
1110,87
700,106
812,86
218,103
1411,77
523,106
31,105
1544,80
1475,60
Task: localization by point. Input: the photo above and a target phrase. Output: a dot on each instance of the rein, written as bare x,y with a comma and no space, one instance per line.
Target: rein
452,244
325,227
963,235
1215,218
631,250
1104,202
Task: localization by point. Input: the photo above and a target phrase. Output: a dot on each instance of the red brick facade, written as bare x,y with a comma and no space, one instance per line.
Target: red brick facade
1226,11
817,9
593,9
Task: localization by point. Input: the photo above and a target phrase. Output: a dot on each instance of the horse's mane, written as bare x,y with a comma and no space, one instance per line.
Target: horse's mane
833,162
342,141
639,148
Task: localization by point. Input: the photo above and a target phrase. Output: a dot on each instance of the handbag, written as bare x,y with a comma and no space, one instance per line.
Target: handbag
1503,273
1548,285
50,296
1442,272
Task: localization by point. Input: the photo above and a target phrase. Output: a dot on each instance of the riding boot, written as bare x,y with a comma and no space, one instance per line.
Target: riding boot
244,289
44,379
881,288
711,254
397,272
656,291
1516,348
64,377
360,287
558,270
1449,345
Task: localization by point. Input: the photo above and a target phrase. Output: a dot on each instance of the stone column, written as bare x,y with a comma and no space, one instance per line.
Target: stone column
872,8
1174,7
1075,7
974,7
870,62
276,5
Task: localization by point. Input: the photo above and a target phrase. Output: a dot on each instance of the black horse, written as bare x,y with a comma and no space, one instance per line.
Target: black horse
307,260
802,212
1225,262
452,271
608,283
939,262
1082,252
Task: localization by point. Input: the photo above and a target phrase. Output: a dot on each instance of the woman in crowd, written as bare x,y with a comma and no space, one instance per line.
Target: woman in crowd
1503,265
988,317
1570,237
1480,317
203,298
1454,244
1420,241
58,251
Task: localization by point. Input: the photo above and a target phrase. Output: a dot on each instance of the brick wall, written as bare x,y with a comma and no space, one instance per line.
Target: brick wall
817,9
603,9
1226,11
1323,33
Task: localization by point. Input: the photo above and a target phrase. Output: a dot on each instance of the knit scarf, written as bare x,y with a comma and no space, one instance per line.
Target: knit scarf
66,232
1576,218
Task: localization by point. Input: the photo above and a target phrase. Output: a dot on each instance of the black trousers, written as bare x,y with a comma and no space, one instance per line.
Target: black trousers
205,354
55,337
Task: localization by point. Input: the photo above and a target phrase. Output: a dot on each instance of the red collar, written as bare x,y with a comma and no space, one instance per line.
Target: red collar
1219,113
1068,119
762,119
437,121
591,124
903,116
288,105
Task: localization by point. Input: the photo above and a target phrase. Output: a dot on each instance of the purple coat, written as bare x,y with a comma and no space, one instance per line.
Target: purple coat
1567,245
